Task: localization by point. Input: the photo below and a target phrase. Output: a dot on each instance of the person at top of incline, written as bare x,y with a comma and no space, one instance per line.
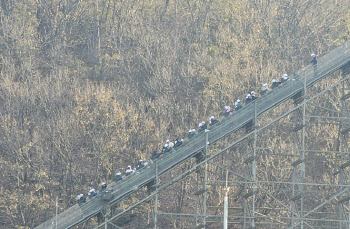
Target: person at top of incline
314,59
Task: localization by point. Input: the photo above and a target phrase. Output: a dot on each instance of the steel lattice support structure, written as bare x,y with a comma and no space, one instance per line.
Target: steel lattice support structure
342,145
299,201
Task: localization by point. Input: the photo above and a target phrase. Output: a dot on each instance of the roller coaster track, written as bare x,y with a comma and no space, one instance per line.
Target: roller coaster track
306,77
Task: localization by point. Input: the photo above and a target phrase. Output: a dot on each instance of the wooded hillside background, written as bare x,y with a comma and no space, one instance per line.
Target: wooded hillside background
88,87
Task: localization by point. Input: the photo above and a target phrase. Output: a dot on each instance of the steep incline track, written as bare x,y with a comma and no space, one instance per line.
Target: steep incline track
329,63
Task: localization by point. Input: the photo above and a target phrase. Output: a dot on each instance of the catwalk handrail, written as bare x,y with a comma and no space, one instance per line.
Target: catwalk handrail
327,64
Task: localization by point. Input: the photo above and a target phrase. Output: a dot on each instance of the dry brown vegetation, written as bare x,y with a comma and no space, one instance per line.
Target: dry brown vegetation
87,87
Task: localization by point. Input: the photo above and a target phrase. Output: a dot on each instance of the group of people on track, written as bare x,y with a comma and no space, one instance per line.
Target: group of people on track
171,146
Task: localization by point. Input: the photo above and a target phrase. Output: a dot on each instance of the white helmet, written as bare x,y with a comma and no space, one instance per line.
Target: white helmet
226,107
103,183
273,80
140,160
203,122
129,166
312,54
248,95
167,141
265,85
193,130
211,117
92,190
238,100
182,139
200,125
284,75
118,174
189,131
166,145
252,92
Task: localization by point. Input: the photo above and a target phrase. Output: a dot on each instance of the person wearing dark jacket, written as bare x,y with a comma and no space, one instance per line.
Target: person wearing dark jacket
248,99
314,60
212,121
140,165
178,143
204,126
284,78
118,176
103,187
238,105
166,148
191,133
274,83
155,155
92,193
81,199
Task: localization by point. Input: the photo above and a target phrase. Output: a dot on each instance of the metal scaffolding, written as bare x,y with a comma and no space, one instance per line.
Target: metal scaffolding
342,146
250,214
